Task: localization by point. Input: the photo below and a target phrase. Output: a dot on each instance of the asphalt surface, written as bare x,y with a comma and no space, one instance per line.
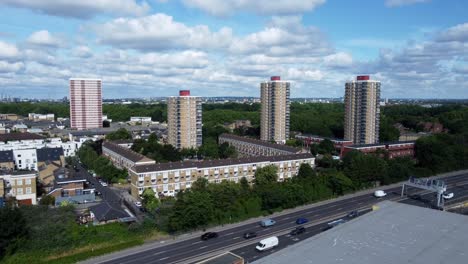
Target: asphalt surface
193,249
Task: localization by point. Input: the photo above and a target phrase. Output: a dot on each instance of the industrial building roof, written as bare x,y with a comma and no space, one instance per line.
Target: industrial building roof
19,136
394,233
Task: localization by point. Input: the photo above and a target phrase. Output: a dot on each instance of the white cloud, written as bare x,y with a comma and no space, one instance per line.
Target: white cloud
82,52
396,3
304,75
10,67
160,32
340,59
456,33
263,7
44,38
8,51
83,8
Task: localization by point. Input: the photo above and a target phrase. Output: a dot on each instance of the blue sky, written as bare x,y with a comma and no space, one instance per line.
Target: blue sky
416,48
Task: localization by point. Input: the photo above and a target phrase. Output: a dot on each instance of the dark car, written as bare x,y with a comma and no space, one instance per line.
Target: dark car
250,235
301,221
209,235
298,230
352,214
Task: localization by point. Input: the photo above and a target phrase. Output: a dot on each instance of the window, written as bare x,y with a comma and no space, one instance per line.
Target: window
19,182
28,181
19,191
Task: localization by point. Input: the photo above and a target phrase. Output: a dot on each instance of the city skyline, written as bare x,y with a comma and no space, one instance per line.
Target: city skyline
228,49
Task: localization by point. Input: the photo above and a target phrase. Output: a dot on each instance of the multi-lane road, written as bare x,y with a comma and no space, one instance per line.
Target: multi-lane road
194,249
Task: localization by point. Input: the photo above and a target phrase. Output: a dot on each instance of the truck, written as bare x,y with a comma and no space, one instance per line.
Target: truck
267,243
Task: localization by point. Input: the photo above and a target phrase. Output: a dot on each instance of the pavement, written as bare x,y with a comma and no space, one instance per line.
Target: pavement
189,248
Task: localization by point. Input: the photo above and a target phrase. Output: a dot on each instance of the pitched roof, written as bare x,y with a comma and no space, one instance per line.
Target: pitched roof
49,154
6,156
216,163
261,143
106,211
125,152
19,136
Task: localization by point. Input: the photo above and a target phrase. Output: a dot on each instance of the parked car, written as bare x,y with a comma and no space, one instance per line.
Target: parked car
267,243
301,221
138,204
448,195
267,222
248,235
379,194
209,235
104,184
298,230
352,214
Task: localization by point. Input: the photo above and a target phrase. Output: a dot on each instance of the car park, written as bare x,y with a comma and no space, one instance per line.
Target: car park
298,230
209,235
301,221
248,235
267,222
380,194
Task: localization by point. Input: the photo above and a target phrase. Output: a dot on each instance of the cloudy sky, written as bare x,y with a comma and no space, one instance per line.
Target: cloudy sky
416,48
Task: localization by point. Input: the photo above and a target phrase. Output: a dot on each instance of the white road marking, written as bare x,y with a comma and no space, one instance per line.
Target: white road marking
236,238
160,252
203,247
197,242
163,258
230,234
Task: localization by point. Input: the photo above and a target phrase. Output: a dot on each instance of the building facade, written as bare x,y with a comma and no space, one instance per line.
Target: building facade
20,185
391,149
249,147
166,179
85,103
275,113
362,111
184,120
339,144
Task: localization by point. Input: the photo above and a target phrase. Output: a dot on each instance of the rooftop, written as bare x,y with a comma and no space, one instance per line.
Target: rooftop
106,211
49,154
395,233
19,136
217,163
6,156
125,152
383,144
261,143
332,139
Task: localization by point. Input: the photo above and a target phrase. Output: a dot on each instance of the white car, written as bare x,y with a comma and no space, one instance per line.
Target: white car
380,194
447,195
104,184
138,204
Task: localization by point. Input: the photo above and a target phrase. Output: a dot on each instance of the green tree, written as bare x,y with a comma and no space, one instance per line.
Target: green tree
266,175
12,230
326,146
227,151
364,170
191,210
306,171
150,202
47,200
121,133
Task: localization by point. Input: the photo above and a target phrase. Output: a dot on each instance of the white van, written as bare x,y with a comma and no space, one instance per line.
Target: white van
379,194
267,243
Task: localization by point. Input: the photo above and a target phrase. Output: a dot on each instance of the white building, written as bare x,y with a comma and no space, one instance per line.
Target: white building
41,117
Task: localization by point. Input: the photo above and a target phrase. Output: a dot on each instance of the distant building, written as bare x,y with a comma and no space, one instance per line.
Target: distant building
85,103
41,117
362,110
167,179
142,120
184,119
70,187
275,113
238,124
308,140
249,147
10,117
392,149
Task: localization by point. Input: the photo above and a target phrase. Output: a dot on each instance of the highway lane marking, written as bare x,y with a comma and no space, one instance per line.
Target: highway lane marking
197,242
163,258
159,253
230,234
203,247
236,238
